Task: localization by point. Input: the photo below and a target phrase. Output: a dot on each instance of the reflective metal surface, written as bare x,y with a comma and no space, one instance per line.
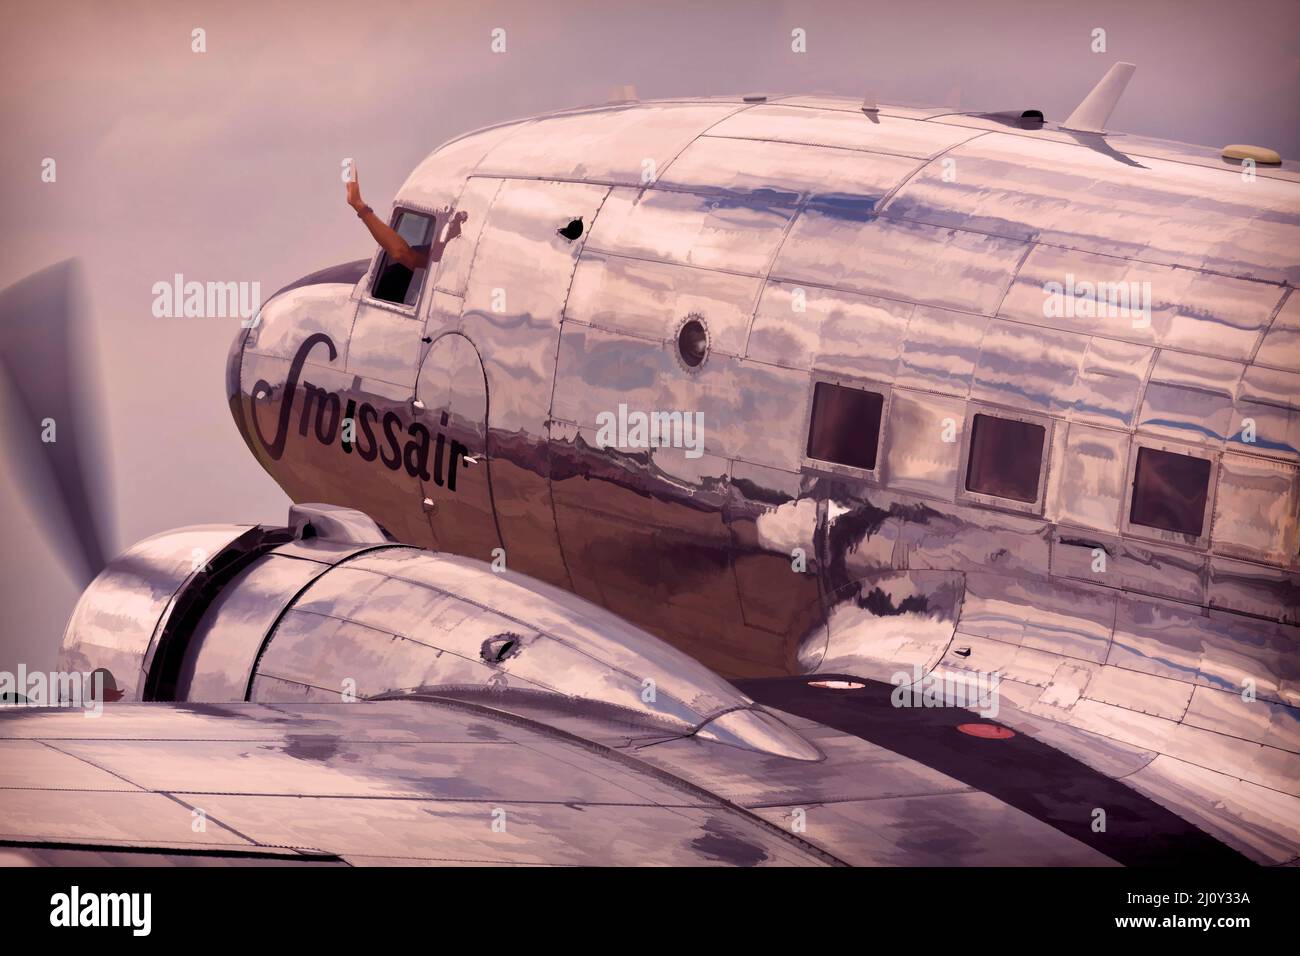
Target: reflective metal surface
330,610
432,782
912,253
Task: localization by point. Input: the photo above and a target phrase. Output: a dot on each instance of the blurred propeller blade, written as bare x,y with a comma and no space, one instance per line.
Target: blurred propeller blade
41,320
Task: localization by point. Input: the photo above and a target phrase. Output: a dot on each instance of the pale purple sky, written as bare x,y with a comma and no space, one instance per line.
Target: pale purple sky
225,165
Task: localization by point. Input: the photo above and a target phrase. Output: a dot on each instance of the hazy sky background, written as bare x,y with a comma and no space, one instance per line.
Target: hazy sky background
224,165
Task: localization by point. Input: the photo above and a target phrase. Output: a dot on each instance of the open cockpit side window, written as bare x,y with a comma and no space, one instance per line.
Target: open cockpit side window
395,282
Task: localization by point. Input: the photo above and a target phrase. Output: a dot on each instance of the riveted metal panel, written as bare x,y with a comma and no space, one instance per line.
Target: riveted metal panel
1281,345
516,294
1109,383
1059,618
652,299
1209,648
613,145
1190,398
438,180
918,455
1156,211
940,350
1255,512
475,201
789,124
279,332
600,370
1248,587
1091,487
224,647
690,229
1269,401
1030,372
829,330
758,170
384,346
1148,304
512,313
1261,721
910,261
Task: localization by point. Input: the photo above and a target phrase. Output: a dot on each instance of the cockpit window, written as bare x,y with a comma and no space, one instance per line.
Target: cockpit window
394,282
845,425
1170,491
1006,458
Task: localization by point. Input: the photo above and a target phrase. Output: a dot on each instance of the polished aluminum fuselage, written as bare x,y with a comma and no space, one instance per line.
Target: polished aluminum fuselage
907,252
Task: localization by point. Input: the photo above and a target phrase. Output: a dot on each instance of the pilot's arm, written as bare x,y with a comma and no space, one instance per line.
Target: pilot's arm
398,249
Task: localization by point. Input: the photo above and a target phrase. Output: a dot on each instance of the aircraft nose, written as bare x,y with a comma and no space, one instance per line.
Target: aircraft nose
347,273
234,366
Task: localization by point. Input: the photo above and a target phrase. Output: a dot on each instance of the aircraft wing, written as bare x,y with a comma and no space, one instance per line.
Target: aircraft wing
434,781
506,779
319,694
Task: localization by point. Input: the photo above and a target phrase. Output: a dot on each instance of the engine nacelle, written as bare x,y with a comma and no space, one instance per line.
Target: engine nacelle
330,609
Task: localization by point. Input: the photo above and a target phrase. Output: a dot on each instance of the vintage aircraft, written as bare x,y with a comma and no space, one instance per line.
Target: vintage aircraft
725,437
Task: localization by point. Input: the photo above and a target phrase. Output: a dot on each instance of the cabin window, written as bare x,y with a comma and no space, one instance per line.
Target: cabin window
1006,458
1170,491
394,282
845,425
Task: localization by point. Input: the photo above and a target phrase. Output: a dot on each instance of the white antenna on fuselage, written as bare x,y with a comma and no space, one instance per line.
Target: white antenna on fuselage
1091,115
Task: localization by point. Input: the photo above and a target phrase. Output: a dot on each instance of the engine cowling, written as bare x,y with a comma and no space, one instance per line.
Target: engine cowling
329,609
